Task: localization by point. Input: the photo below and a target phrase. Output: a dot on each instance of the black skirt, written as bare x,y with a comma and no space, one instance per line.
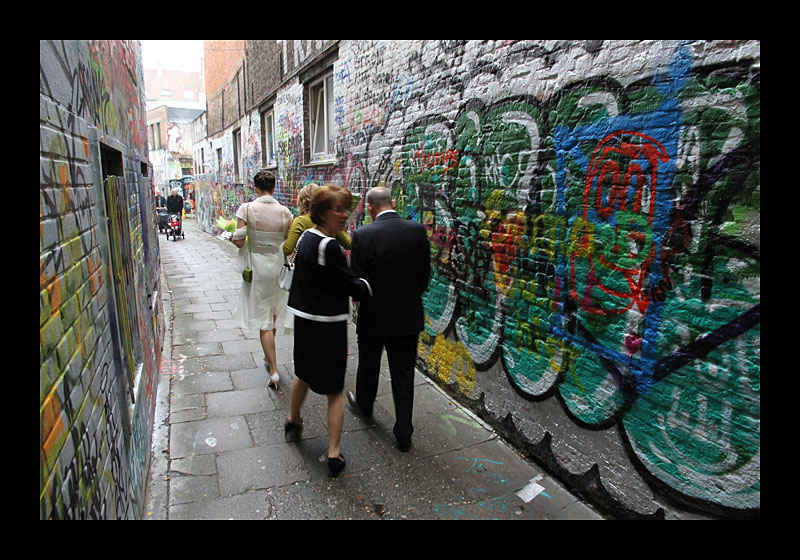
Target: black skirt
320,354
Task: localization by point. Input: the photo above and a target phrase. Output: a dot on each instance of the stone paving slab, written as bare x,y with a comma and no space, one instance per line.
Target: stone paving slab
218,447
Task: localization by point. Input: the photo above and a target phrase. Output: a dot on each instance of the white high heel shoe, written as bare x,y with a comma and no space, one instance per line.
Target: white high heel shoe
274,378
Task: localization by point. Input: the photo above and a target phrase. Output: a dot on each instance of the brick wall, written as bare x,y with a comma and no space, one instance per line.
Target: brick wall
263,63
100,332
594,217
221,61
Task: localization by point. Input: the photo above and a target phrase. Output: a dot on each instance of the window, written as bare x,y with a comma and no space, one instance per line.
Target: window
268,130
111,162
321,118
237,149
155,136
166,92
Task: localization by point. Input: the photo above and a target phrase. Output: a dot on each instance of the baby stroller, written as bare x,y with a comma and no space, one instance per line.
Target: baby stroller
174,227
163,217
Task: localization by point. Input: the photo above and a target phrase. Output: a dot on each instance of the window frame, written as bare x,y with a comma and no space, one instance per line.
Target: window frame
321,87
237,155
270,156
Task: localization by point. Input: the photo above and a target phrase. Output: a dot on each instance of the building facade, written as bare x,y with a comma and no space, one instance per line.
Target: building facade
175,88
594,218
169,134
101,321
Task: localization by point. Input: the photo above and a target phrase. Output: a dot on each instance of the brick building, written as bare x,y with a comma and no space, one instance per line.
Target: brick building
176,88
101,320
594,218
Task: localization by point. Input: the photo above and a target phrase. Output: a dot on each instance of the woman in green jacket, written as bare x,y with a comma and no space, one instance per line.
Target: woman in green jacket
303,222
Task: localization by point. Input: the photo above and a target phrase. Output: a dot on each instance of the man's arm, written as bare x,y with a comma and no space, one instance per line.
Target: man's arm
358,264
425,266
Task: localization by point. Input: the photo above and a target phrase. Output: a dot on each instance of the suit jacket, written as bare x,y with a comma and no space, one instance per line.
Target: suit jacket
394,255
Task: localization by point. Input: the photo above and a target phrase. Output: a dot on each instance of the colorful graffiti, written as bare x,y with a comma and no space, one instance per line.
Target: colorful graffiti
602,247
96,398
598,262
597,243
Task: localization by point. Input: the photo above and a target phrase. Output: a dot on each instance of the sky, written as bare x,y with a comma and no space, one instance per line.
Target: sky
172,55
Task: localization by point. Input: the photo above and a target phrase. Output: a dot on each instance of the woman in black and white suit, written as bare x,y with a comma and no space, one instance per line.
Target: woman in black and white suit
319,301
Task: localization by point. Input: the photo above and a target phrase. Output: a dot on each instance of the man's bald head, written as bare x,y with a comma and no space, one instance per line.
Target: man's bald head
379,199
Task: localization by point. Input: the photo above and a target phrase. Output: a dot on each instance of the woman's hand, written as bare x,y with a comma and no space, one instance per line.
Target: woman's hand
240,223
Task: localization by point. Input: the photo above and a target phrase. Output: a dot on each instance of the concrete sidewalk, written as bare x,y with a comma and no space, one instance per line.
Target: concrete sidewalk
218,450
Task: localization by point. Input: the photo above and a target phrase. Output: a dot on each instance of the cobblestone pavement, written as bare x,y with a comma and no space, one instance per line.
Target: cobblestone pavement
218,449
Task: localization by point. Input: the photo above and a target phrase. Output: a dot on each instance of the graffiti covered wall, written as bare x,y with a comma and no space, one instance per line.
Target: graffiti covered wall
101,320
593,209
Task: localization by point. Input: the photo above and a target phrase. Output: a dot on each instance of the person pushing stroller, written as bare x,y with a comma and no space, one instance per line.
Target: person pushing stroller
161,211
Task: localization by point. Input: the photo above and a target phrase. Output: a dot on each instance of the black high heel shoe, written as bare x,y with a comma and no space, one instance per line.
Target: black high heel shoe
291,432
336,465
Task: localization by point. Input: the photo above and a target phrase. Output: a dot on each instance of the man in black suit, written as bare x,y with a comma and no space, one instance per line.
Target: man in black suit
394,254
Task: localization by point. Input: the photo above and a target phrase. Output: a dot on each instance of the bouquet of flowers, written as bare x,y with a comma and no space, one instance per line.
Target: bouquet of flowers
227,227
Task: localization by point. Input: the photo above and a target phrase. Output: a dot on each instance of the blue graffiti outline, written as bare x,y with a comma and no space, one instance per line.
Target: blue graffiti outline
663,125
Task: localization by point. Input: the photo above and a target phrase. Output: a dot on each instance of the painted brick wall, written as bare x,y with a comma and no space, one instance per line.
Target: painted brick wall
100,332
594,217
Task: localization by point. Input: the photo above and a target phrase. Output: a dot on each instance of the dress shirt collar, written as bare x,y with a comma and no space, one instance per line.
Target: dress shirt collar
385,212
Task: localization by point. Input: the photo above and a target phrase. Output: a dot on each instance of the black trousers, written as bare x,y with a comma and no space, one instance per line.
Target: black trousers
401,352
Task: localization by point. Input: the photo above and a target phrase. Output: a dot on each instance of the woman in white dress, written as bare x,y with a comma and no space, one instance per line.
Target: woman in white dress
262,303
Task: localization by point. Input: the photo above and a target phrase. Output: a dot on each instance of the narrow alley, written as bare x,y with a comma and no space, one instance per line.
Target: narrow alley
591,324
218,448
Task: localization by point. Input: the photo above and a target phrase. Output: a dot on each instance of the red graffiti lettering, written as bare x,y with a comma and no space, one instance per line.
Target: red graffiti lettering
431,161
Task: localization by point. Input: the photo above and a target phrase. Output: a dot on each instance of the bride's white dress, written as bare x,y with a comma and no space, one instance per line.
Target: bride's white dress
262,303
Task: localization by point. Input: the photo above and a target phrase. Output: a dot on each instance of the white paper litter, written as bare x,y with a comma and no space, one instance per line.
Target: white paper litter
530,490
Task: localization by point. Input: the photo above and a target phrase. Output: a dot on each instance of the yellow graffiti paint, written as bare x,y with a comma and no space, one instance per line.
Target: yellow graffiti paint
449,361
